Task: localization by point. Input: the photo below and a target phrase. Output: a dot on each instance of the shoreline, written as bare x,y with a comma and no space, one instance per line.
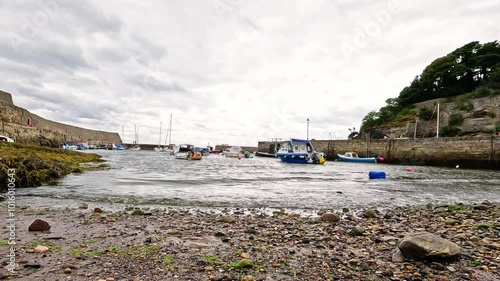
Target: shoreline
216,244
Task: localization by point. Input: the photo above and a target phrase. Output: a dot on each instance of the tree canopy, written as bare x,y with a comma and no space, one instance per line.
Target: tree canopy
462,71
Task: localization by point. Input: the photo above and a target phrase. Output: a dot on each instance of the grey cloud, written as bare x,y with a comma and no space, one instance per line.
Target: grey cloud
112,55
147,50
95,19
147,83
58,55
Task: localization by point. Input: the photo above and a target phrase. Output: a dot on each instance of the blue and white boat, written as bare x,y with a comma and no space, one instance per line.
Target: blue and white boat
300,151
119,147
353,157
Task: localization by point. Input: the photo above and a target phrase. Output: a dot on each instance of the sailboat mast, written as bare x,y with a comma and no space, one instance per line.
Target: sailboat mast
135,134
170,130
159,142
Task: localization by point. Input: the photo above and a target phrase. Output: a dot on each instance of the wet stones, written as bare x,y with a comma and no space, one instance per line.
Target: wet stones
422,245
229,219
369,214
39,225
32,265
357,231
330,217
41,249
397,256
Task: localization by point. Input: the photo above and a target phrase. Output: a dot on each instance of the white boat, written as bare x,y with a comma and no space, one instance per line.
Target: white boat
159,148
5,139
168,138
136,146
233,152
169,149
187,152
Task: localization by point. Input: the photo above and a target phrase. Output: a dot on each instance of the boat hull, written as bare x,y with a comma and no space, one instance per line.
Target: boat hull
299,158
356,160
264,154
233,154
188,156
293,158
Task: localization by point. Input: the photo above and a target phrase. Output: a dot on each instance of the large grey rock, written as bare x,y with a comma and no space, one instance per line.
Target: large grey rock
423,245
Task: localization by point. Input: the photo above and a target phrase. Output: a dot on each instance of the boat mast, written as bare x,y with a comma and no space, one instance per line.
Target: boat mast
159,142
170,130
136,141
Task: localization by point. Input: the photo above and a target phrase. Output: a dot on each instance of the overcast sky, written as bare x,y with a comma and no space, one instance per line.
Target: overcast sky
229,71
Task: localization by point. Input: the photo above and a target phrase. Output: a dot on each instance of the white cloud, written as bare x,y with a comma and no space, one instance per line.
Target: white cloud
230,71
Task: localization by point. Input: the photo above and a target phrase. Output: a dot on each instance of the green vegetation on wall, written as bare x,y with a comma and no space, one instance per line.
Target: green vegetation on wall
456,119
425,114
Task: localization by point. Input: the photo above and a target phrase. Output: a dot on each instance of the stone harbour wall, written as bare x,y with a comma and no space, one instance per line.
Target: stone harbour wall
26,127
467,152
6,98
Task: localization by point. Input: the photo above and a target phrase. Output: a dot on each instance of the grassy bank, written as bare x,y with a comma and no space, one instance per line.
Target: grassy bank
37,166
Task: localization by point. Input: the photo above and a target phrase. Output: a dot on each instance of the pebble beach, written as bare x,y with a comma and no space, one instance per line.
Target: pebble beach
93,243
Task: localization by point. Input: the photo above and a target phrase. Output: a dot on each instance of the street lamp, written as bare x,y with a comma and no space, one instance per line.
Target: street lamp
307,128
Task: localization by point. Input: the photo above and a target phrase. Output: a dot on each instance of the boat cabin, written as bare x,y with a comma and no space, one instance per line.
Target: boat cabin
296,146
186,148
351,155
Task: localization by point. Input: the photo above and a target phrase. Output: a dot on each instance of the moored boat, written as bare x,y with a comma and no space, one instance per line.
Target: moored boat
265,154
120,147
248,154
135,147
300,151
233,152
169,149
5,139
187,152
354,157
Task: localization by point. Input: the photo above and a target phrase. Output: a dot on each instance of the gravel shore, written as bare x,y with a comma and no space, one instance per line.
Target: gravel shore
240,244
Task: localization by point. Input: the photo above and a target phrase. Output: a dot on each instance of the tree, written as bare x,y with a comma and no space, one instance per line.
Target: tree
353,133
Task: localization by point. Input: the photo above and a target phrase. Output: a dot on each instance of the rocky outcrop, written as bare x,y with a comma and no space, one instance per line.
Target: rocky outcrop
26,127
466,117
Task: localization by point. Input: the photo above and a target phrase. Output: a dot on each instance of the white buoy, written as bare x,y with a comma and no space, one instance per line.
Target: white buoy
458,166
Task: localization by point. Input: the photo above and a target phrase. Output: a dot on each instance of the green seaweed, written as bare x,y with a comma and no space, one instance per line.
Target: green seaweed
37,166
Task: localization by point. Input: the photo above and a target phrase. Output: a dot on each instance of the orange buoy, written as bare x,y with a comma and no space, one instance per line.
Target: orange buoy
409,169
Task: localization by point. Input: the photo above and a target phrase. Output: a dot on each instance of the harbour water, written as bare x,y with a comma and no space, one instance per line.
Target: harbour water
145,178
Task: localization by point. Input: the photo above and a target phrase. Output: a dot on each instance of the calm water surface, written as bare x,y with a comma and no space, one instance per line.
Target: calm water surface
149,178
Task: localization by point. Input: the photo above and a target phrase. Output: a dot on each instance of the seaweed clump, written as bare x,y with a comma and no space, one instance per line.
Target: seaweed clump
36,165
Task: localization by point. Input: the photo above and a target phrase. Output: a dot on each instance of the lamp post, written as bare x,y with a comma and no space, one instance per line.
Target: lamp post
307,128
